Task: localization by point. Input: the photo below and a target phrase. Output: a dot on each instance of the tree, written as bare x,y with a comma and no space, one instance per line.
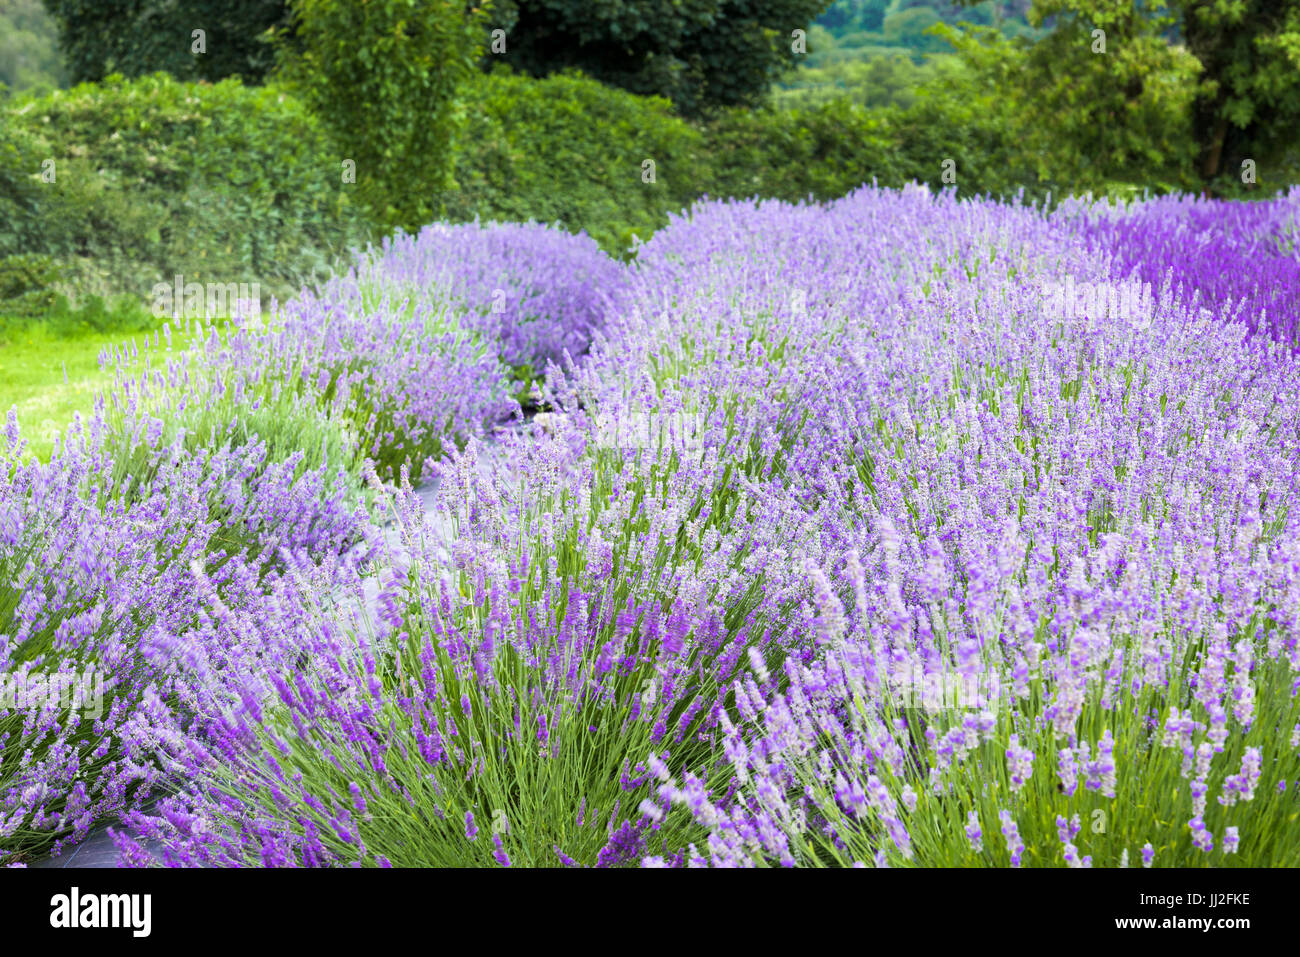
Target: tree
699,53
29,55
871,14
908,28
1248,103
1101,99
138,37
845,15
1186,92
383,77
838,16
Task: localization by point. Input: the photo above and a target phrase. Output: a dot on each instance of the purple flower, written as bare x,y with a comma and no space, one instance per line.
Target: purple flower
1230,840
1067,770
973,833
500,852
1020,763
1012,835
1202,839
626,845
358,800
564,858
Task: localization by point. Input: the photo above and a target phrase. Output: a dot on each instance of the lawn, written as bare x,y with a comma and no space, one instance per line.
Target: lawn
49,377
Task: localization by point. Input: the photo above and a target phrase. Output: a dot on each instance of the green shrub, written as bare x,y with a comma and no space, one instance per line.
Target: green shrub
95,314
29,296
953,119
25,282
152,177
31,217
568,149
792,154
827,150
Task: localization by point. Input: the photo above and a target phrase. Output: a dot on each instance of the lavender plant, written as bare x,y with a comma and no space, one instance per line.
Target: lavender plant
1236,256
1085,529
511,688
102,590
535,292
844,535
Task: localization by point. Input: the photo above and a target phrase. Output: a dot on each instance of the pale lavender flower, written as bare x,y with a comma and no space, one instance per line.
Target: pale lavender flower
1020,763
1202,839
1012,834
973,833
1067,770
1230,840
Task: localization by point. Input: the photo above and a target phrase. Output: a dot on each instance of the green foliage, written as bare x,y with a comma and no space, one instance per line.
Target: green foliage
911,27
1182,94
846,15
956,118
700,55
28,296
226,183
793,154
25,281
139,37
830,149
880,80
1088,109
29,54
383,76
569,149
851,52
28,213
867,24
1248,103
153,177
95,314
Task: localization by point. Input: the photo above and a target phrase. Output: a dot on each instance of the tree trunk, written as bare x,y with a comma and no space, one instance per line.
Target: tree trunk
1214,155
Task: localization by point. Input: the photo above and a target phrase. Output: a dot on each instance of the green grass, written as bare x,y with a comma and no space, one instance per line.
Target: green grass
50,376
32,365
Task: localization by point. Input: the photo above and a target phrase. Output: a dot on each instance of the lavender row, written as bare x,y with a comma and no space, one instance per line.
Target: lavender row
213,478
908,561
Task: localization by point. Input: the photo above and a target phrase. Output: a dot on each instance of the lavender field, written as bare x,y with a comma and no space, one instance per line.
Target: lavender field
899,530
